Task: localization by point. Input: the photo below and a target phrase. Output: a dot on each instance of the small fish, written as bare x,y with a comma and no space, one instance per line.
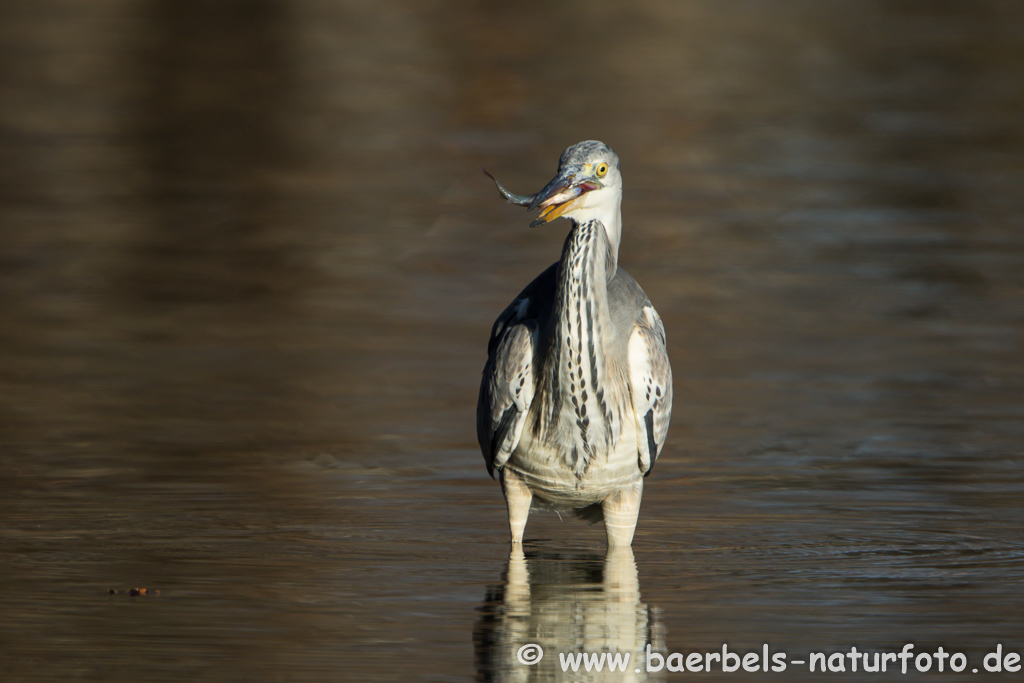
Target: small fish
519,199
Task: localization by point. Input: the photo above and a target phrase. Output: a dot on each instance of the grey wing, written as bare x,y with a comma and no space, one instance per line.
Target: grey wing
650,378
507,387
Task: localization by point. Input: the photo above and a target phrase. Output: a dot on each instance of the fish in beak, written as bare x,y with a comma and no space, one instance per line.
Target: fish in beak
558,196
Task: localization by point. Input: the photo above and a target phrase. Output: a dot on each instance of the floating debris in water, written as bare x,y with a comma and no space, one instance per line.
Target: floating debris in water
134,592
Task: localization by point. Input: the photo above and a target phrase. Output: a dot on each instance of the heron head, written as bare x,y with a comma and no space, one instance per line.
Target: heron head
588,184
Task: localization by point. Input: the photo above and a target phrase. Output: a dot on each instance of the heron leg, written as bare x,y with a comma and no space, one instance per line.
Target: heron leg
621,510
518,498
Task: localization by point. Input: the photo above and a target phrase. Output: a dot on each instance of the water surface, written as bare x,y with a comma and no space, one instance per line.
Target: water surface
248,265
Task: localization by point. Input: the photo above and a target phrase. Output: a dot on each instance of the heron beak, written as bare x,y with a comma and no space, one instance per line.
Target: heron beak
562,194
557,197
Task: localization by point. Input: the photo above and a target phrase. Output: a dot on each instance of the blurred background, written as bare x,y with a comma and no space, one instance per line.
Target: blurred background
248,266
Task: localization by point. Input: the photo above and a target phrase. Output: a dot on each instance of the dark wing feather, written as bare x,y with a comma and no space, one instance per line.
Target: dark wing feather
506,392
508,383
650,377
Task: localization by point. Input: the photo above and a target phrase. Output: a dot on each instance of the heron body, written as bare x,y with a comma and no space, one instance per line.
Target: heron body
576,395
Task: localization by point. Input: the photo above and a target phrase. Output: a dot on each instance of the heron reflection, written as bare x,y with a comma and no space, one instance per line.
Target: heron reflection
566,603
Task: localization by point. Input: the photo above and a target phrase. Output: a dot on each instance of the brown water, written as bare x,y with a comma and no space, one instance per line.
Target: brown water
248,265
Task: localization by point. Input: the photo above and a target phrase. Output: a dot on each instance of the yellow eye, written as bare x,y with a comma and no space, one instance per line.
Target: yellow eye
602,170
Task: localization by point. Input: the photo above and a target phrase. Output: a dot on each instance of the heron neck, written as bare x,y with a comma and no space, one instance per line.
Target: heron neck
576,366
581,304
609,215
588,263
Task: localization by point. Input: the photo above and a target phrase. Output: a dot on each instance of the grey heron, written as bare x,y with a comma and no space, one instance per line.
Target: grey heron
576,395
